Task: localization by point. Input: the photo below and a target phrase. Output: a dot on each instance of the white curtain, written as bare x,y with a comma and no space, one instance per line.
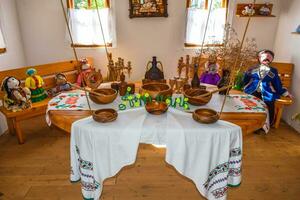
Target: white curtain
196,21
2,43
85,26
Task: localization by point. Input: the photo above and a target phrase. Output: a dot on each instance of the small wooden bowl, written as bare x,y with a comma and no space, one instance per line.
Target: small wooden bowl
108,95
206,116
194,99
156,108
157,89
105,115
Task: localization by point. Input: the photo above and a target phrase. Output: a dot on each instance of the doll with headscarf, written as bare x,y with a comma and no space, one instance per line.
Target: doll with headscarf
61,84
264,82
16,98
35,83
211,76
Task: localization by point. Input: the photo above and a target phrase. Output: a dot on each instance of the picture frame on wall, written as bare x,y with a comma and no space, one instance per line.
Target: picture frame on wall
148,8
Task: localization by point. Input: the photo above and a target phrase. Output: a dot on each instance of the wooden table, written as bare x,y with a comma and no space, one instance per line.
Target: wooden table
249,122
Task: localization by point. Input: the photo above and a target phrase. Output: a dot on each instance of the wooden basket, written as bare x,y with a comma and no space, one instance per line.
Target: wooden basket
105,115
194,96
206,116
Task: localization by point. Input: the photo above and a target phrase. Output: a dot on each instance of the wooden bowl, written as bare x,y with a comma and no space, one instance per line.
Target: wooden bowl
194,99
206,116
105,115
147,81
156,107
108,95
157,89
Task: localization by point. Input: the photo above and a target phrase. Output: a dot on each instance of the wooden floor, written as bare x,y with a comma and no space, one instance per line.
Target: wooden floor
39,169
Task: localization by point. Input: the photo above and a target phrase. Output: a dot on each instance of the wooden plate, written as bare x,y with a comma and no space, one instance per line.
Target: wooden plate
206,116
105,115
156,108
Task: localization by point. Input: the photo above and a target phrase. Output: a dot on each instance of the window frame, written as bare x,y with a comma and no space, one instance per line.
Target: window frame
2,50
70,5
224,5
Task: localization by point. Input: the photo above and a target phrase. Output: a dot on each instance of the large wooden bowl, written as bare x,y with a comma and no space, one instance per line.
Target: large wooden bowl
206,116
107,95
157,89
156,107
194,96
105,115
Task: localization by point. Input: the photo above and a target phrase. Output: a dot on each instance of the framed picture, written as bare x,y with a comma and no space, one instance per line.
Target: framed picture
148,8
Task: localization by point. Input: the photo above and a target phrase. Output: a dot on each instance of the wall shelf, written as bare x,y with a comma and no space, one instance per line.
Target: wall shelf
257,7
295,33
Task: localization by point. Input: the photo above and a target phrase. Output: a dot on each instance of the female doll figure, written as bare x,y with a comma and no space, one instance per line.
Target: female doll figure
35,83
211,76
263,82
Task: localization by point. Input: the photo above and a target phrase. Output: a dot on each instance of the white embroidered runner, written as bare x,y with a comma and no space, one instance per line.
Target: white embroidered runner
210,155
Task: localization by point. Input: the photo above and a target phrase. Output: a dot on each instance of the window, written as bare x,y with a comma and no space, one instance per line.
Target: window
2,43
84,22
197,12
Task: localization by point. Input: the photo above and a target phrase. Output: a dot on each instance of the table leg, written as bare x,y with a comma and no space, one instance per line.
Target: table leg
21,137
278,109
10,124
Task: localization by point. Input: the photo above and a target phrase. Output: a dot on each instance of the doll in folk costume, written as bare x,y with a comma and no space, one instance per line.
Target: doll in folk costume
211,76
35,83
16,98
61,84
264,82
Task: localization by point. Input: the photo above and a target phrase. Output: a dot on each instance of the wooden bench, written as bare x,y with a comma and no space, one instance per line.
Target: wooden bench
48,71
285,72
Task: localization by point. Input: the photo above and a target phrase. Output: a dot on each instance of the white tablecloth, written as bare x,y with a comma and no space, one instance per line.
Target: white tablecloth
210,155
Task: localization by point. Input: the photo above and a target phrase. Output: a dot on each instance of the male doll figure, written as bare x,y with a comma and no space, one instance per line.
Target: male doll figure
263,82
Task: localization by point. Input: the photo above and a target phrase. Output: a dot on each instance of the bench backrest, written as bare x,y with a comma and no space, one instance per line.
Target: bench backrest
285,72
47,71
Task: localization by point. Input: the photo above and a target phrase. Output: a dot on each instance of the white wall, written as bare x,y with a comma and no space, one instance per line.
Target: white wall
263,29
287,50
14,55
43,30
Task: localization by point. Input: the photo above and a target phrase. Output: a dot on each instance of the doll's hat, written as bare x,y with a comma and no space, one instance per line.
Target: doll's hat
31,71
266,51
